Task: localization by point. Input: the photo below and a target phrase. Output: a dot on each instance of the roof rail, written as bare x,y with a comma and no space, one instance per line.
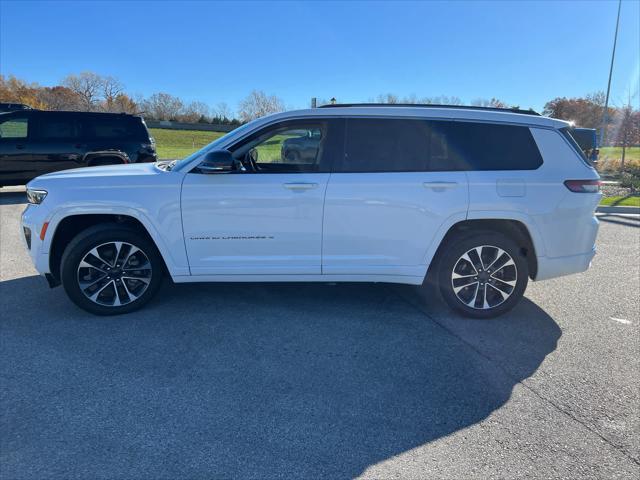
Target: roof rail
431,105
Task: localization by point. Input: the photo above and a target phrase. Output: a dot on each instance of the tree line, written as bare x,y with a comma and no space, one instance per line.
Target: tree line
89,91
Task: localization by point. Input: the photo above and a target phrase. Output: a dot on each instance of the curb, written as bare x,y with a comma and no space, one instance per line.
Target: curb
609,209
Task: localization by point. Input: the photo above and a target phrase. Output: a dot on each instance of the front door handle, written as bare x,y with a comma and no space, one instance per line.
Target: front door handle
440,186
20,146
300,186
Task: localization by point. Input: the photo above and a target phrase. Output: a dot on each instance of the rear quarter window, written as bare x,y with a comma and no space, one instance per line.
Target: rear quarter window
124,128
472,146
412,145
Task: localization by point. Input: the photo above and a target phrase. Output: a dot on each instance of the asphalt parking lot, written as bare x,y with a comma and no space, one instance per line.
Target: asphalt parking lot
322,381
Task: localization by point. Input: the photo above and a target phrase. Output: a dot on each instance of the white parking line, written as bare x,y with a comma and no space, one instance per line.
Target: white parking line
621,320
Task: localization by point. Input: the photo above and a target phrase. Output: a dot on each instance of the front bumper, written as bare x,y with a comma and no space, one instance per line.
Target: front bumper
33,219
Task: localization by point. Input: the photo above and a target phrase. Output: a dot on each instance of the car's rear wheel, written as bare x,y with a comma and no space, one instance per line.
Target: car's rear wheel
482,275
111,269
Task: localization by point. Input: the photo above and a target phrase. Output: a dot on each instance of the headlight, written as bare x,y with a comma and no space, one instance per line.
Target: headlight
36,196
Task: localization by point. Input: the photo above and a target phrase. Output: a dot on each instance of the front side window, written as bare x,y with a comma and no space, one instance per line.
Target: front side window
15,127
288,148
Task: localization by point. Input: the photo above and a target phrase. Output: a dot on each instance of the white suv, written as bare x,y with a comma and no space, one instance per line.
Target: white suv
475,200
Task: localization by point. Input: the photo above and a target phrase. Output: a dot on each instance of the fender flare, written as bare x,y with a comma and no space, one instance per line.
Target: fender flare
61,213
450,222
86,159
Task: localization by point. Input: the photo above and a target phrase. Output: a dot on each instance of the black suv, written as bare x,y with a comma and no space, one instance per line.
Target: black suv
35,142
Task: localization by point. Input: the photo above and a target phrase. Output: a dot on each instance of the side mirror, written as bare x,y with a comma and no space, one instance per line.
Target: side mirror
218,161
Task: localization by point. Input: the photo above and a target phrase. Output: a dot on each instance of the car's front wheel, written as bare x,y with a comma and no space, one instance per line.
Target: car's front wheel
483,275
111,269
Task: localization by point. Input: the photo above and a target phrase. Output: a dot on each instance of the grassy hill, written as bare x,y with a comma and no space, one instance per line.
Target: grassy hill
173,144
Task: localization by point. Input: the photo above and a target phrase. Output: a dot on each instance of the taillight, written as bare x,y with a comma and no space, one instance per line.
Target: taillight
583,186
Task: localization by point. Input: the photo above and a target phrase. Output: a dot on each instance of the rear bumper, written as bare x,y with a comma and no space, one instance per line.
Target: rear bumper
560,266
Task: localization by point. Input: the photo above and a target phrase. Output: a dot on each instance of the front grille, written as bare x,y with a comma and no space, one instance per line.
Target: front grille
27,236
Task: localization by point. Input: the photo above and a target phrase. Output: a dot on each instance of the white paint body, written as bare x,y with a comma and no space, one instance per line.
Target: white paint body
382,227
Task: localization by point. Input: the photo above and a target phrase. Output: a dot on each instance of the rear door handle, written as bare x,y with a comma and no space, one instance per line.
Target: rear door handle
20,146
440,186
300,186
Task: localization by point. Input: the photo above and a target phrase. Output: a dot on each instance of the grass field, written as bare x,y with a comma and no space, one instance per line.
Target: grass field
173,144
609,158
622,201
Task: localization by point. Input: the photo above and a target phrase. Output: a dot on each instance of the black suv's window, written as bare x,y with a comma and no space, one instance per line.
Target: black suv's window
125,128
14,127
399,145
53,127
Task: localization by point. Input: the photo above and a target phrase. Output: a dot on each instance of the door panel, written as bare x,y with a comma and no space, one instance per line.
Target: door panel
264,218
383,223
245,223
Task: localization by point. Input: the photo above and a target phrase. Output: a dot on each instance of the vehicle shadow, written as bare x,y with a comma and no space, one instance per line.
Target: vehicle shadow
12,197
245,380
624,220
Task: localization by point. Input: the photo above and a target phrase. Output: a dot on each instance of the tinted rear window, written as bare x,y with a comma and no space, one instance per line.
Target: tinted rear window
115,128
380,145
54,127
396,145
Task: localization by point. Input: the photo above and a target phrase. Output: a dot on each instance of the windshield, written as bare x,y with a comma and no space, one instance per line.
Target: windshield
212,146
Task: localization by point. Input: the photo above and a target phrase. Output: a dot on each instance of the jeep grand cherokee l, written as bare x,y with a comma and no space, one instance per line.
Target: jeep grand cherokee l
34,142
478,201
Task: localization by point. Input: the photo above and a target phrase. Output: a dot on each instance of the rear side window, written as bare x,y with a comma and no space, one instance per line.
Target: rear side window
385,145
52,127
398,145
124,128
485,146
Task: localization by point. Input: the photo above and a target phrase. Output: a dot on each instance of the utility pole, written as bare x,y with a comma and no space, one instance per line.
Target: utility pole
605,115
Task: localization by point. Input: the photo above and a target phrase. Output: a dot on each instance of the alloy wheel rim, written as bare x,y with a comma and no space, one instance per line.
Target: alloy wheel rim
484,277
114,274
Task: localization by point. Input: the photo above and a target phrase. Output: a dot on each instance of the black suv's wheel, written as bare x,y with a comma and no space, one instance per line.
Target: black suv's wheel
111,269
483,275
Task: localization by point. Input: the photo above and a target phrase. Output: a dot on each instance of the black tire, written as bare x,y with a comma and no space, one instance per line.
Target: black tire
496,281
101,237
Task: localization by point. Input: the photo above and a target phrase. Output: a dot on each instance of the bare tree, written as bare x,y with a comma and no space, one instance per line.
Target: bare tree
162,106
493,102
88,86
111,88
442,100
388,98
629,128
258,104
194,111
59,98
222,110
122,103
